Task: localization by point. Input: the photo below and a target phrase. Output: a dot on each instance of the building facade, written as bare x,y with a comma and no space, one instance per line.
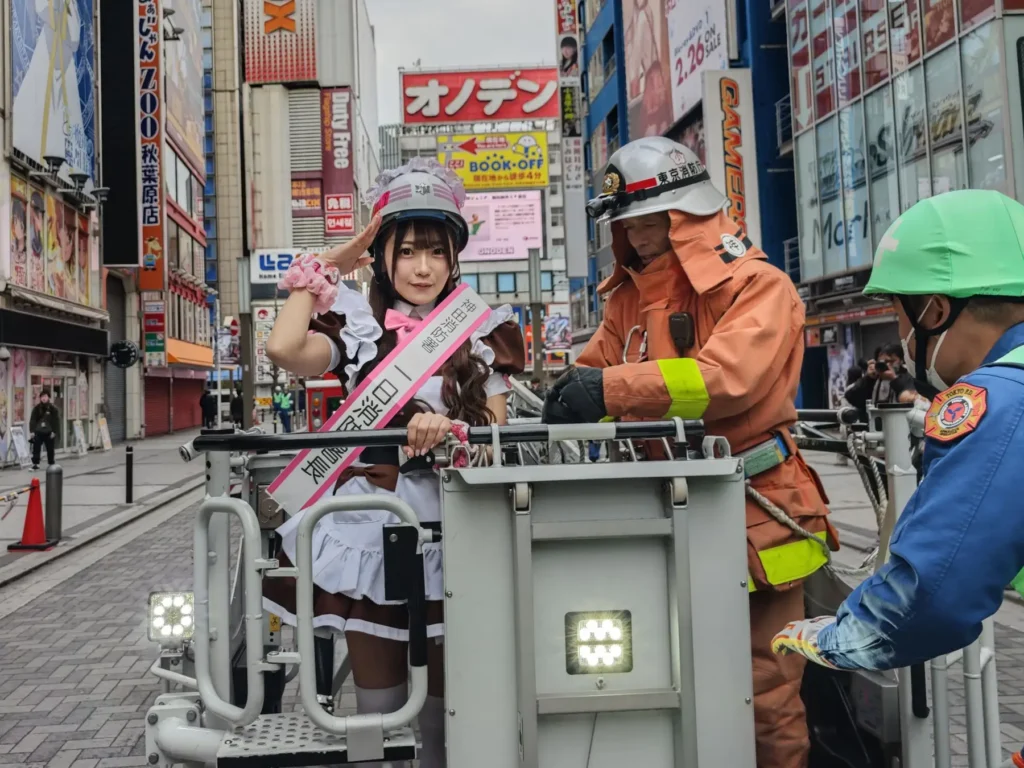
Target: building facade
707,74
53,321
310,149
890,103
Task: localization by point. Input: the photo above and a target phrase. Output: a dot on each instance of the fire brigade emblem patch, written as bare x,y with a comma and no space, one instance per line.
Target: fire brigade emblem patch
612,183
734,246
956,412
677,157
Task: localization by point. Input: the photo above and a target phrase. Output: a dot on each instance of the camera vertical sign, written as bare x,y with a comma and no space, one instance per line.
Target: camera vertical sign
150,135
339,183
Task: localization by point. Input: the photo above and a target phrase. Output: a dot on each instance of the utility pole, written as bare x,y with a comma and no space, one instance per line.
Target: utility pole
216,357
536,314
246,342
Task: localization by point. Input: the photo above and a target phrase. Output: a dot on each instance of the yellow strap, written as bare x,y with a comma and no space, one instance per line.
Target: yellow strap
685,386
791,562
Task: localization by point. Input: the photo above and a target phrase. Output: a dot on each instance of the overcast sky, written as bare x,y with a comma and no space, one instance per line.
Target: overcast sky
456,33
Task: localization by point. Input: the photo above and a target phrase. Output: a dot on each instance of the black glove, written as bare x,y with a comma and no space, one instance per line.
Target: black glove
576,398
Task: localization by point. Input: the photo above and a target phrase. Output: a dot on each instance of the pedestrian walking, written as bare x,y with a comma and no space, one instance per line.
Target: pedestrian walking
208,404
237,406
44,419
283,406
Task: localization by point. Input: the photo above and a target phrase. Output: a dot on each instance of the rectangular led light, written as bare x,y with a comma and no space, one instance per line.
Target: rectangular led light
171,617
598,642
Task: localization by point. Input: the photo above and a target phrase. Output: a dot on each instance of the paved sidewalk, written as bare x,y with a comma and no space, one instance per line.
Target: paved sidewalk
74,656
74,687
94,494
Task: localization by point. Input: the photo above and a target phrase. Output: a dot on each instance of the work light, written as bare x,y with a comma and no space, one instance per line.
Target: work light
171,617
597,642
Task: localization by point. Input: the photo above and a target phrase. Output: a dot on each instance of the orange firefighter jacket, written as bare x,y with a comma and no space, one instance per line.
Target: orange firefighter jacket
740,374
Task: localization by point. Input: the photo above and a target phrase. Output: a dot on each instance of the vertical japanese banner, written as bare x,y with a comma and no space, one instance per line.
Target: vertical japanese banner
336,142
567,32
567,29
150,134
154,331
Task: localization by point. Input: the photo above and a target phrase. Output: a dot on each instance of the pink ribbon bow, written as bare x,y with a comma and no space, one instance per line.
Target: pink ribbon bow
402,324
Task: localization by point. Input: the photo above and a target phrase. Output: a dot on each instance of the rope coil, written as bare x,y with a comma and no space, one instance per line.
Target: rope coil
878,504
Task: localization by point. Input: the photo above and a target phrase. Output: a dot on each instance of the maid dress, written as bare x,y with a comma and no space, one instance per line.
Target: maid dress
348,559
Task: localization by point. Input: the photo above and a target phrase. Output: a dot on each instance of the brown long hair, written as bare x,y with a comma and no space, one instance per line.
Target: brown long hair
464,374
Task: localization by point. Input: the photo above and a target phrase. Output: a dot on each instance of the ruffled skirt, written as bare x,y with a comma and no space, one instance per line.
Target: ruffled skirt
348,563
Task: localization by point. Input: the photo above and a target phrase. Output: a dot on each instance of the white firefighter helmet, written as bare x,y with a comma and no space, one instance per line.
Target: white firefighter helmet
655,174
421,189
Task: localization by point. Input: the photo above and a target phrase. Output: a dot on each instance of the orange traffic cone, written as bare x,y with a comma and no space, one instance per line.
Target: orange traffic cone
33,536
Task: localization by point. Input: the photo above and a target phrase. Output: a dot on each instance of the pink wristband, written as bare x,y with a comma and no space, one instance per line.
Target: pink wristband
307,271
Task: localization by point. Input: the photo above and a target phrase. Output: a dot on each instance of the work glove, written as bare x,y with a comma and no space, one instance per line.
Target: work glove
576,398
801,637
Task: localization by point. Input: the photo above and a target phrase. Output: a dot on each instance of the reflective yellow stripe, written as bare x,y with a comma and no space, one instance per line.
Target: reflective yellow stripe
685,387
791,562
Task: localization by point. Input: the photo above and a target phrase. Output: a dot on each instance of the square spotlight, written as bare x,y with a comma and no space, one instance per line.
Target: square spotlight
598,642
171,617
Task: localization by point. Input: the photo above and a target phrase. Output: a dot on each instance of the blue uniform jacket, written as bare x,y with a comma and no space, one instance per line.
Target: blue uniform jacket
958,543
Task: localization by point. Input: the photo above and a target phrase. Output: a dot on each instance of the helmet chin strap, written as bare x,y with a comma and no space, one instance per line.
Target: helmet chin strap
921,335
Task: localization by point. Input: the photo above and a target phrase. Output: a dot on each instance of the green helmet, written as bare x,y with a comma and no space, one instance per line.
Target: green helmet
958,244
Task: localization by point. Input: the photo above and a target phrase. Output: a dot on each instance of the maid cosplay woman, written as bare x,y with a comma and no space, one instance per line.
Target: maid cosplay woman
414,240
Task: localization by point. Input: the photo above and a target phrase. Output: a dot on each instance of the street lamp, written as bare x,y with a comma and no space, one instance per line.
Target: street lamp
79,178
54,163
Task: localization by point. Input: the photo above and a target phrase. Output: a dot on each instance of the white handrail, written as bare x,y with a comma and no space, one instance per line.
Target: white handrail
304,612
253,611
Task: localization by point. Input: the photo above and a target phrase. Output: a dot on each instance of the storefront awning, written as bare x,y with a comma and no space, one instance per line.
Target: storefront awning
21,329
184,353
51,302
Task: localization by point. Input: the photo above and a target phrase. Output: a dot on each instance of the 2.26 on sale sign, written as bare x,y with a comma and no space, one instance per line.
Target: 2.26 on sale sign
696,38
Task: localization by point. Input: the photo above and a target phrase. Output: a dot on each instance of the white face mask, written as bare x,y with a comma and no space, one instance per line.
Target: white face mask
931,375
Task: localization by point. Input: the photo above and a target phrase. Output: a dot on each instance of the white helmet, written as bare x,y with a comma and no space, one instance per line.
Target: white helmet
421,189
651,175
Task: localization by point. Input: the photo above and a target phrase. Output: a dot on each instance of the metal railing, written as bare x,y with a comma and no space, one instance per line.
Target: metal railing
791,258
778,8
783,121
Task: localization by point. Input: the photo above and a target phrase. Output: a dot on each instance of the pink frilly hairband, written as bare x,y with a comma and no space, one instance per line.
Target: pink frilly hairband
421,165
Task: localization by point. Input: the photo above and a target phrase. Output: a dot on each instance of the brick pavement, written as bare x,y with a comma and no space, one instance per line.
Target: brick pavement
74,688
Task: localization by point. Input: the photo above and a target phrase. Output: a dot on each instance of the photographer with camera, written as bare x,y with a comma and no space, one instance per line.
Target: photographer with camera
885,381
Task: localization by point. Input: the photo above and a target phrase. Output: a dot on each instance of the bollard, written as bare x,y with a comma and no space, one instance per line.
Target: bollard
54,502
129,454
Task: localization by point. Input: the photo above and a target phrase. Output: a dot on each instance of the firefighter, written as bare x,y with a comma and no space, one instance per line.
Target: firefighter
699,325
955,265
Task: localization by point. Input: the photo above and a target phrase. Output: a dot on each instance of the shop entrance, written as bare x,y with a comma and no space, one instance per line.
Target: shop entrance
63,389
